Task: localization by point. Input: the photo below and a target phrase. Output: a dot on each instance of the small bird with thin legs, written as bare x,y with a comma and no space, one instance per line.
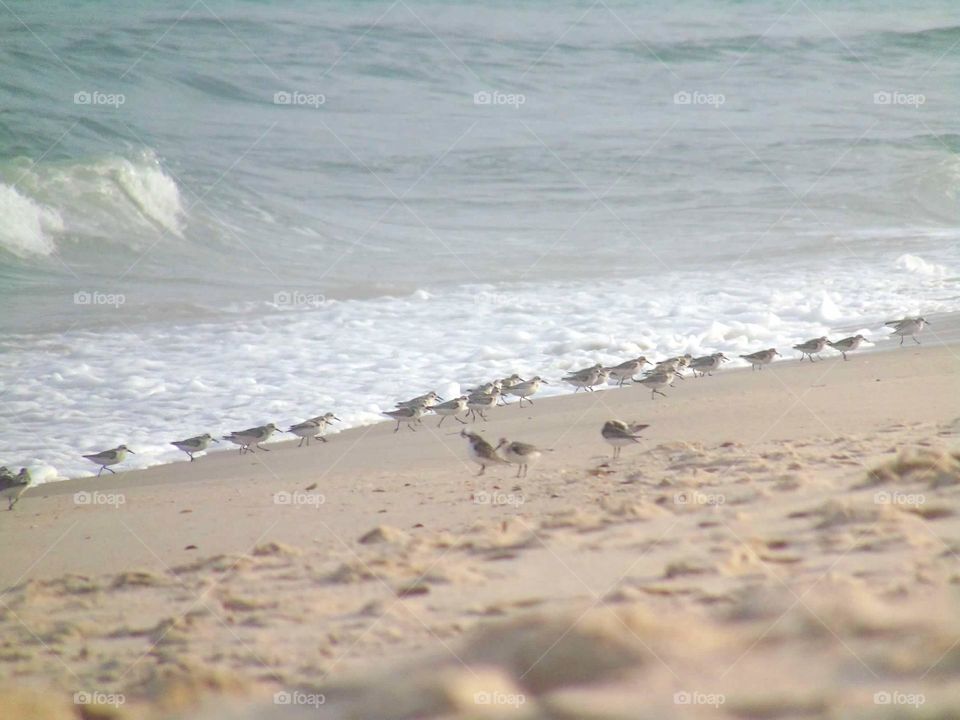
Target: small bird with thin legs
409,415
811,348
13,486
707,364
846,345
195,444
627,369
451,408
106,458
618,434
760,358
527,388
482,452
908,327
252,437
521,454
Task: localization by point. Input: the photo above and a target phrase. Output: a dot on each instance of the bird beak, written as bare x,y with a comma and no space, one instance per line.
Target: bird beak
215,440
337,419
131,451
544,382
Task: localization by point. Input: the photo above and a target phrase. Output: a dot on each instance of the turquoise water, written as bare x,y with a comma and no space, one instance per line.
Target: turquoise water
174,170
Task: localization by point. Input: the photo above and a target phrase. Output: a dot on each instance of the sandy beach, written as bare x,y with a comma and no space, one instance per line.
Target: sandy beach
782,544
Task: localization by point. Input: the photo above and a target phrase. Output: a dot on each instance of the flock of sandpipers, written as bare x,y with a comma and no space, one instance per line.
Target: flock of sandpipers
477,401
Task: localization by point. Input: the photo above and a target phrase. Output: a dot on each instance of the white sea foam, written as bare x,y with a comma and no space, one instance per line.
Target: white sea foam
84,391
112,199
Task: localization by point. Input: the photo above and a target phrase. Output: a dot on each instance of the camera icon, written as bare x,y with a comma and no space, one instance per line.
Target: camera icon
282,498
681,698
283,299
882,98
482,98
82,498
282,698
282,98
82,98
682,98
481,698
82,298
882,698
681,498
882,498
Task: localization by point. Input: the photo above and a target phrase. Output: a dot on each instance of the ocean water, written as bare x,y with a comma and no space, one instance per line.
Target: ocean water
220,214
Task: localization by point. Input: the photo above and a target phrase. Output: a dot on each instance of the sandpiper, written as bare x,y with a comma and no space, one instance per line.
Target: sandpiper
110,457
194,444
670,366
477,403
587,378
811,348
307,429
507,384
525,389
626,370
708,363
252,437
907,327
521,454
12,486
760,358
847,344
451,408
658,380
409,415
618,434
482,452
322,422
427,401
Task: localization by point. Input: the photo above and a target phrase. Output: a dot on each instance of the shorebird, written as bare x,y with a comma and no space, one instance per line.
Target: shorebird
252,437
670,366
811,348
527,388
587,378
908,326
507,384
409,415
110,457
482,452
618,434
517,453
306,430
12,486
322,422
763,357
477,403
427,401
194,444
707,364
451,408
847,344
658,380
626,370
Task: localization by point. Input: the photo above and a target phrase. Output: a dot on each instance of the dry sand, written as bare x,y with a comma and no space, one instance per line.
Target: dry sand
784,544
